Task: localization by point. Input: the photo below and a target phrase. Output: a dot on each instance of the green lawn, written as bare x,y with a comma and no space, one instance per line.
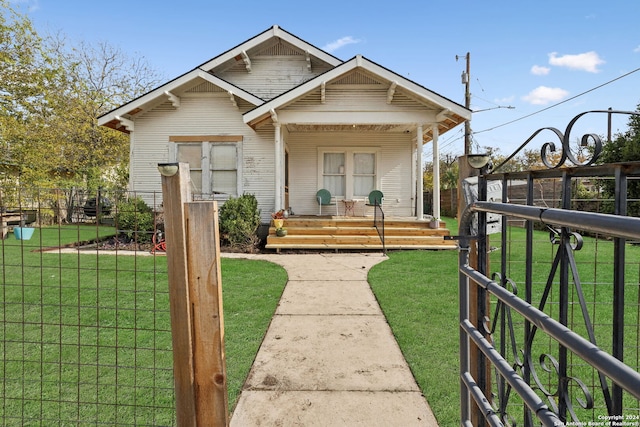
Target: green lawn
418,292
86,337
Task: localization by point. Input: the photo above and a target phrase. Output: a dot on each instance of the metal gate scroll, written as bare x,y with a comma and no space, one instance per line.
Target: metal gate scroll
540,342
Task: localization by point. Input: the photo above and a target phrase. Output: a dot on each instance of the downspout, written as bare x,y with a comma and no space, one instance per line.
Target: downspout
419,175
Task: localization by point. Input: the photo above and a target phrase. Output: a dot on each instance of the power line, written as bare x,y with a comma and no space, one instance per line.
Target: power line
454,139
559,103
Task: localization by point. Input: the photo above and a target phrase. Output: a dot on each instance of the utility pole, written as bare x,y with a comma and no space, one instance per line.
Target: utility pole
466,78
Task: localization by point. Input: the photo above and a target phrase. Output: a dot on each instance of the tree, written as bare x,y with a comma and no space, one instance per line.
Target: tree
29,77
625,147
50,98
448,173
102,78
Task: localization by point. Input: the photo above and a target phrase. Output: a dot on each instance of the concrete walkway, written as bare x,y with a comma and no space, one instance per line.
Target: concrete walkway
329,357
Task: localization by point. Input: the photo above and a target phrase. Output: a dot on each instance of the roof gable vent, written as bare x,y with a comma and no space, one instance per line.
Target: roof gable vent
357,78
205,87
280,49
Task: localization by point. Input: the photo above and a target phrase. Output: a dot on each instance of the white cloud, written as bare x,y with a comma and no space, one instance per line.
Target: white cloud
539,70
504,101
587,61
543,95
637,50
335,45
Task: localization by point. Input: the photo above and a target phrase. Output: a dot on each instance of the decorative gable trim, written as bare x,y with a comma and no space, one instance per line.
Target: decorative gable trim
265,37
360,71
205,87
279,49
357,77
114,118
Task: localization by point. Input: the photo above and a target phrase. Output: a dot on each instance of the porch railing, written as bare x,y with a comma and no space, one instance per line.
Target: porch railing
378,223
550,336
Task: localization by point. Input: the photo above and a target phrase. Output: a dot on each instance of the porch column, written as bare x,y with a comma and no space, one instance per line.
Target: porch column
436,171
278,169
419,174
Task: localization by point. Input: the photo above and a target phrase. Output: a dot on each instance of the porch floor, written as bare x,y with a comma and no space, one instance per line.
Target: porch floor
357,233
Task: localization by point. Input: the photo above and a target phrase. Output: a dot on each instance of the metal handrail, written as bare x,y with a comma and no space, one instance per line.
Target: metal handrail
378,223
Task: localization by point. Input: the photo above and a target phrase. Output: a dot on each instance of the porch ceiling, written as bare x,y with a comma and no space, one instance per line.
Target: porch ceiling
295,127
390,128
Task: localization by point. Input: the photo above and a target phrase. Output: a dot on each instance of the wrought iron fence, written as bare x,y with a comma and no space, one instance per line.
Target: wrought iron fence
86,333
550,313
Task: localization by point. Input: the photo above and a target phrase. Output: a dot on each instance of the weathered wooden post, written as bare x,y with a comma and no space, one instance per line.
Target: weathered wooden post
197,327
205,291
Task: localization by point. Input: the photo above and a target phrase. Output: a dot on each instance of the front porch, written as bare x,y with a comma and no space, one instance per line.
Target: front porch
357,233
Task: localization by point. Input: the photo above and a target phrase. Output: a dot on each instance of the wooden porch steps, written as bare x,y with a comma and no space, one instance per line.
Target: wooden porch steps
357,233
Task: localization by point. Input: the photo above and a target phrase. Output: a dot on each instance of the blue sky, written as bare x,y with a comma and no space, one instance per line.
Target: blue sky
530,55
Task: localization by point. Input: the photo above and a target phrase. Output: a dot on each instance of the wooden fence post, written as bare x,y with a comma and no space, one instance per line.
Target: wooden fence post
175,192
195,297
205,291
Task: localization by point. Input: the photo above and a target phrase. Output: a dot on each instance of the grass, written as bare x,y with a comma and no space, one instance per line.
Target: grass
418,292
86,337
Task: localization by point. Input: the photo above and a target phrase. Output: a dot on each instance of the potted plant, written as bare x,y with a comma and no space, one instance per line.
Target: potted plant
435,223
278,218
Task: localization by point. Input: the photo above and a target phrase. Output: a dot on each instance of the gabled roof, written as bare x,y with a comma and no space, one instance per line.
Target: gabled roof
120,118
241,51
451,113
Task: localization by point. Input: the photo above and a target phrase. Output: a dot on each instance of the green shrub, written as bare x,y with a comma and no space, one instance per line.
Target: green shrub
135,219
239,220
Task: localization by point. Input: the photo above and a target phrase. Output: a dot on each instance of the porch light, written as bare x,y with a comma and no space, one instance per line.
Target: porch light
478,161
168,169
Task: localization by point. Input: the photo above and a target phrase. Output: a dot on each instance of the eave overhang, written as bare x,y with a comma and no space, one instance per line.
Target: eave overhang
121,118
450,113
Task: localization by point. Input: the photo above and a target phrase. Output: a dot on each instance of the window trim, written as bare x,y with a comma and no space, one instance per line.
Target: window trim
206,141
349,167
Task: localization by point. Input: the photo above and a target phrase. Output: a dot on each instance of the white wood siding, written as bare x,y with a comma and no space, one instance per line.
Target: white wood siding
271,76
395,167
202,114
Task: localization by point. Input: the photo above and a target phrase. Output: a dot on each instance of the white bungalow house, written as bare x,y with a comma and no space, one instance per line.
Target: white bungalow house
279,118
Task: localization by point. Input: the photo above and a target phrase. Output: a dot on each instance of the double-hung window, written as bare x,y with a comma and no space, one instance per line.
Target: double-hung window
214,165
348,173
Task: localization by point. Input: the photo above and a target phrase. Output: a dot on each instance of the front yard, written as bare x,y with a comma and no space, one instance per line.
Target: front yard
87,335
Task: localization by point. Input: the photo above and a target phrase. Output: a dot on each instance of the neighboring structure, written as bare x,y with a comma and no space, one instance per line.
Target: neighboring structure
279,118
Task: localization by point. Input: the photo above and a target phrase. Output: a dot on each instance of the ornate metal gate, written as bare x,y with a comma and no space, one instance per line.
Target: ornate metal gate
549,332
